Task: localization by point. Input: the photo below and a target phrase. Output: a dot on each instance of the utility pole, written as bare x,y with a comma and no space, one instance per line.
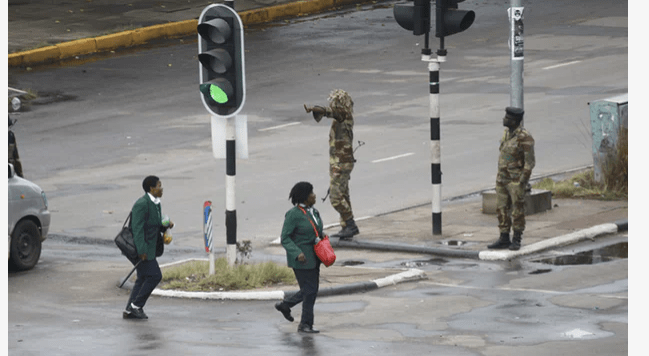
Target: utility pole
516,58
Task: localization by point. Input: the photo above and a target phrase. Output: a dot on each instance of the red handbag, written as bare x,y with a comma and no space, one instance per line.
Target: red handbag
323,248
325,252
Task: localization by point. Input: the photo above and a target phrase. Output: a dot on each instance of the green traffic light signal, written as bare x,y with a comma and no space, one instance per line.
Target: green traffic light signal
220,90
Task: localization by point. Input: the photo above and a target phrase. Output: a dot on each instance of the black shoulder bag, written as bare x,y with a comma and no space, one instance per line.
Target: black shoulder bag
124,241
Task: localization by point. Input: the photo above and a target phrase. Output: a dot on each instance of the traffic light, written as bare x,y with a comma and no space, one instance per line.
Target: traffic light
222,67
414,16
449,20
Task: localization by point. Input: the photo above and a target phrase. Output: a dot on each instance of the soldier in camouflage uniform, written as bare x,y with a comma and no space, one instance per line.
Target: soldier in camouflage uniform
515,165
341,156
13,151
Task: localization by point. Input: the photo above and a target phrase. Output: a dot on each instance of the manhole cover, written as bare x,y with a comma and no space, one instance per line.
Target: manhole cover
604,254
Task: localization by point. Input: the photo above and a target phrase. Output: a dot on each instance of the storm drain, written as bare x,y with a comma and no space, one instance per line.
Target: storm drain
604,254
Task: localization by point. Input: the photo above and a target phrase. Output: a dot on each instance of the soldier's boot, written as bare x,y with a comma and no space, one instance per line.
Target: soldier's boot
516,241
348,231
502,243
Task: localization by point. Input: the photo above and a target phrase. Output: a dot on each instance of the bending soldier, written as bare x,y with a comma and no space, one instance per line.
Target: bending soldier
515,165
341,156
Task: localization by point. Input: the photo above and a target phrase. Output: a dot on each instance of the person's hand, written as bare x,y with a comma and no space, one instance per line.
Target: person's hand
143,257
318,112
171,224
301,257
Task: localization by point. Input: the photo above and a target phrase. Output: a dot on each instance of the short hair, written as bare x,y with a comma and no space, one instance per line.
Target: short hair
300,192
149,182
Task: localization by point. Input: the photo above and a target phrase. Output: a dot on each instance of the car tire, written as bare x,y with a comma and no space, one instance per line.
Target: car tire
25,245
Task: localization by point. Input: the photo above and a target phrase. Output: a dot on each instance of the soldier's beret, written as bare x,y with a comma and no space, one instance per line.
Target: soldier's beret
515,113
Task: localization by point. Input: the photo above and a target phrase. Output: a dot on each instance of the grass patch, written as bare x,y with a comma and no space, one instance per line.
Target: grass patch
613,186
194,276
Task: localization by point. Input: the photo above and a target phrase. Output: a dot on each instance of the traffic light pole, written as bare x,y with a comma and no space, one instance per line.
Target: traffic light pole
230,196
435,132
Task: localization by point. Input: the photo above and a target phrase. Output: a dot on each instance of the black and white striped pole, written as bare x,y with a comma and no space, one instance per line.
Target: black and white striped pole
435,144
230,195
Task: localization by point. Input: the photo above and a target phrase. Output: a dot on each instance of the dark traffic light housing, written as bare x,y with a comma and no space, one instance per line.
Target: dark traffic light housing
221,56
449,20
415,16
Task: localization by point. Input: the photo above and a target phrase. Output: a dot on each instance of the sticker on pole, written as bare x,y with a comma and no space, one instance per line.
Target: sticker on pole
207,225
516,32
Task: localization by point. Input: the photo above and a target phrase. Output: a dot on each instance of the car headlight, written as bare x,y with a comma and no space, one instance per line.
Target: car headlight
44,199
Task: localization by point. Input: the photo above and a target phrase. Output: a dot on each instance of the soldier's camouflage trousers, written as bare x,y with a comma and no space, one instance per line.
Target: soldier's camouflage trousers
510,206
339,175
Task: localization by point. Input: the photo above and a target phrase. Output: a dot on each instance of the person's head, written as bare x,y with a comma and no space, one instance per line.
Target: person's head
513,117
152,184
302,192
340,100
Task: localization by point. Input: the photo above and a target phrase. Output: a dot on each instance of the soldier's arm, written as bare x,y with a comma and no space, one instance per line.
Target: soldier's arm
527,144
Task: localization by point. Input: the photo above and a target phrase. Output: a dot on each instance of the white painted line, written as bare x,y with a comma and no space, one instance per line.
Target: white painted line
279,126
561,65
393,157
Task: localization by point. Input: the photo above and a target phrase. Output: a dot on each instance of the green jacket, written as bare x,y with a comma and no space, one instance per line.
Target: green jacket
298,237
146,222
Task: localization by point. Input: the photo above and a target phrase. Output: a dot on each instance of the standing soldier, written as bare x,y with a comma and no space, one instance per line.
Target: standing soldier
13,151
341,156
515,165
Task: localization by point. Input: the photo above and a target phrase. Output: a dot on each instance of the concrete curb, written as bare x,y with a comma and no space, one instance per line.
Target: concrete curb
143,35
568,239
360,287
490,255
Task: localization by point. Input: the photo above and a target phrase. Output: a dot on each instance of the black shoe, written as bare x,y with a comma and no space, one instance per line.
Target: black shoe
286,311
308,329
348,232
502,243
516,241
134,313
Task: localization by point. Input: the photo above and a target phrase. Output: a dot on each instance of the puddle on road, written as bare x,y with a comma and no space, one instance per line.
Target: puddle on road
352,263
604,254
421,263
453,243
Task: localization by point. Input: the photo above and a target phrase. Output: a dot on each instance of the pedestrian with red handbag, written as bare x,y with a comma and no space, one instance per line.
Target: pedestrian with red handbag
302,229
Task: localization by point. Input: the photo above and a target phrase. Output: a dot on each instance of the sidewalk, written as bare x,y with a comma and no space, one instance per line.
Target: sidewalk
466,232
46,32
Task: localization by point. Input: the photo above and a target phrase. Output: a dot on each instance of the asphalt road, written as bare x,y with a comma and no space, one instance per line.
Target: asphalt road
69,305
119,118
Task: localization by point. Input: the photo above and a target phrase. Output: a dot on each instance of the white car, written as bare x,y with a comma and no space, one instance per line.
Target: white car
29,221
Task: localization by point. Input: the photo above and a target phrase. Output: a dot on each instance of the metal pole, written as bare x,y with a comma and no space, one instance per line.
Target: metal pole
230,202
435,147
515,13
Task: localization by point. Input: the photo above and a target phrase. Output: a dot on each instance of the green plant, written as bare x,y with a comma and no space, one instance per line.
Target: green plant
194,276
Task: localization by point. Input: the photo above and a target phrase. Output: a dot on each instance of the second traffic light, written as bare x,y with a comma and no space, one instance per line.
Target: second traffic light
449,20
220,53
413,16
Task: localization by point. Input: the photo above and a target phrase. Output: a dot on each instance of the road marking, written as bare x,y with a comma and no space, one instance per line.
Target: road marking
561,65
279,126
393,157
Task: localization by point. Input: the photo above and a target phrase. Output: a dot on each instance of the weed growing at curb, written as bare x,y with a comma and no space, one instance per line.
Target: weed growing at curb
614,185
194,276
